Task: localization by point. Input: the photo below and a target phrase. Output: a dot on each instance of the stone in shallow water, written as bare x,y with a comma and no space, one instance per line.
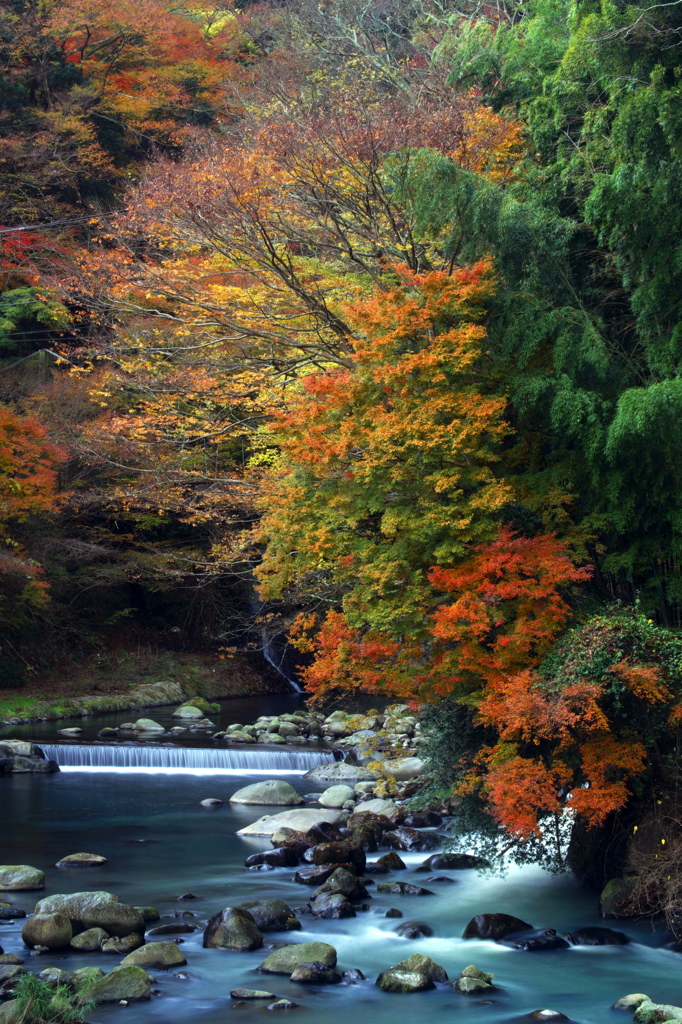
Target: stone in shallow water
128,982
274,791
547,1015
314,972
10,913
471,981
122,944
285,959
155,954
403,889
413,930
494,926
211,801
81,860
90,940
271,915
630,1002
233,928
251,993
51,930
283,1004
416,974
20,877
299,820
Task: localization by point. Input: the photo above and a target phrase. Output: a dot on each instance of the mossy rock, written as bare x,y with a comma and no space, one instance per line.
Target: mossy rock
207,706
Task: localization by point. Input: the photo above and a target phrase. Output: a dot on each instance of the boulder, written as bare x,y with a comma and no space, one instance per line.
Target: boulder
403,889
174,928
274,791
271,915
630,1002
332,906
413,930
393,912
336,796
211,801
615,896
127,982
404,769
494,926
471,981
412,840
593,936
387,808
89,941
282,1004
148,725
442,879
188,711
285,959
156,955
116,918
23,747
343,852
543,943
429,819
10,958
545,1015
416,974
342,882
283,857
391,862
20,877
9,975
123,944
149,913
656,1013
251,993
314,972
317,874
232,928
340,771
453,862
8,912
53,931
299,821
73,730
81,860
75,905
11,1012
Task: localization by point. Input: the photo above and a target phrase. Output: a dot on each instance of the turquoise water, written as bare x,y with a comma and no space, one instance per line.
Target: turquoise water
188,848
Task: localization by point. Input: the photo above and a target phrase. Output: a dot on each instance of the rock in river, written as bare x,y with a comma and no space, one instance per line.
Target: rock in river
416,974
271,915
233,928
76,905
51,930
116,918
411,839
315,973
594,936
19,877
127,982
336,796
494,926
81,860
413,930
471,981
340,771
274,791
630,1002
300,821
453,862
332,907
285,959
251,993
122,944
155,955
404,889
90,940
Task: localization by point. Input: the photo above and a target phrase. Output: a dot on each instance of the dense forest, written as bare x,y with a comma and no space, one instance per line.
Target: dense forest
358,325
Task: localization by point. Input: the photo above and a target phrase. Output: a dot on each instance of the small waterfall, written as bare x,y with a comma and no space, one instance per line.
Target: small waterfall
106,757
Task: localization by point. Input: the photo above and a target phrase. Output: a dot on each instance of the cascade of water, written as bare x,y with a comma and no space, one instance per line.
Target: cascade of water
190,760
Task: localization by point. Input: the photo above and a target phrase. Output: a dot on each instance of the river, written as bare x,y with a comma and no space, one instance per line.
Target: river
160,844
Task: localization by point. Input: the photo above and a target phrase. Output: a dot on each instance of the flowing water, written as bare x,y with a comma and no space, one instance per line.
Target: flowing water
161,844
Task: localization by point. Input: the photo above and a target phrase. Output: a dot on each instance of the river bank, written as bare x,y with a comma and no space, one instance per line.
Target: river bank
85,696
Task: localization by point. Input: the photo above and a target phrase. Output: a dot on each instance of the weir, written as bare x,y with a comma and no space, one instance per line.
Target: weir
187,760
